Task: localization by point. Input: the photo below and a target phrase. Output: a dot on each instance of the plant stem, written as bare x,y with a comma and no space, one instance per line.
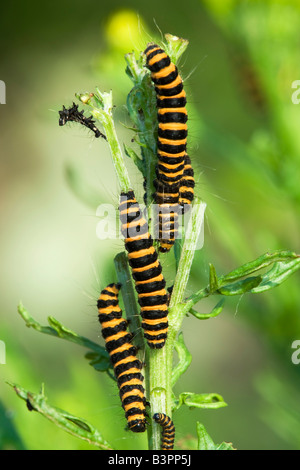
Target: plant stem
101,104
160,361
116,152
188,252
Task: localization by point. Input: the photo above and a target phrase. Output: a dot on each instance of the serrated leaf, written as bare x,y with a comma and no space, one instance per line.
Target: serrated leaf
73,425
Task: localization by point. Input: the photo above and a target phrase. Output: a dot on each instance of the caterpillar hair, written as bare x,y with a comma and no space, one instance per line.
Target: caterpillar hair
146,271
127,367
73,114
168,430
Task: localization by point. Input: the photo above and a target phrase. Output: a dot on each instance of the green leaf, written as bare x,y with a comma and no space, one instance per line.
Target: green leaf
98,361
205,316
135,69
184,359
135,158
206,401
240,287
175,47
60,331
262,262
213,279
284,264
205,442
78,427
225,446
277,275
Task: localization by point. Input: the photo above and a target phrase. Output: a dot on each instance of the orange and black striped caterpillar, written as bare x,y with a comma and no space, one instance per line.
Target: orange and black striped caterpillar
146,271
127,366
73,114
168,430
175,177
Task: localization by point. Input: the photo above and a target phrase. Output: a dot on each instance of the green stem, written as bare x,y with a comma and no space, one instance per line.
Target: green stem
116,152
160,361
160,370
187,253
101,104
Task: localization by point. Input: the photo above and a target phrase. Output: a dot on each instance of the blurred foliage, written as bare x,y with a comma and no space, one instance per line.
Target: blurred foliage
265,35
244,143
9,436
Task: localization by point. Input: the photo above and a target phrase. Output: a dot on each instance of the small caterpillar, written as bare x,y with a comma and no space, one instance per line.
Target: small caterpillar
73,114
168,430
127,366
172,169
146,271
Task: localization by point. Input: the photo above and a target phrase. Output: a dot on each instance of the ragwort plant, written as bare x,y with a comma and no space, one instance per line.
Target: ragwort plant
264,273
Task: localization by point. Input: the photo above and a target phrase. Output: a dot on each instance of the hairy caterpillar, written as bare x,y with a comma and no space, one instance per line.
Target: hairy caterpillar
127,366
146,271
172,169
73,114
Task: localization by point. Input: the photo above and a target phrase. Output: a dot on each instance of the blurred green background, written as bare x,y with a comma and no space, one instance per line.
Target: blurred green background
244,143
